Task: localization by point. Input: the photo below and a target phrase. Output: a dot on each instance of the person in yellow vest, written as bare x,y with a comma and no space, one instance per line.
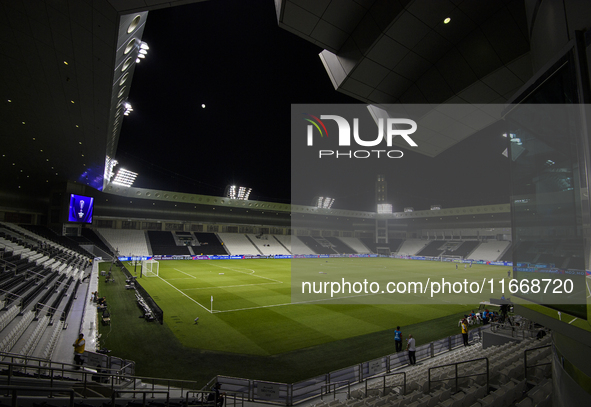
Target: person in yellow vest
465,332
79,350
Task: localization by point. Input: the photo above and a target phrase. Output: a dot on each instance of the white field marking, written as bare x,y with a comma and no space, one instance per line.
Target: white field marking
227,286
187,274
254,275
292,303
177,278
588,289
182,293
573,321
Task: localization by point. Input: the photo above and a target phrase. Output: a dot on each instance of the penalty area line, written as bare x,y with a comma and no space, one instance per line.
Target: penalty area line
292,303
187,274
182,293
252,274
228,286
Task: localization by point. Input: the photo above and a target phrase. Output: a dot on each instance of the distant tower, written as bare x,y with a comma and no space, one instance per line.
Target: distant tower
381,190
381,233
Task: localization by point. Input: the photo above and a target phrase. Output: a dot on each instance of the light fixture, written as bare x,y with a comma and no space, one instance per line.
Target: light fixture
447,20
323,202
384,208
127,109
236,192
124,178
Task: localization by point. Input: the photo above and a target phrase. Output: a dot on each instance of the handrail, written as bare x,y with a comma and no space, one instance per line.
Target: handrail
383,377
334,385
68,368
143,392
456,372
525,358
15,389
214,402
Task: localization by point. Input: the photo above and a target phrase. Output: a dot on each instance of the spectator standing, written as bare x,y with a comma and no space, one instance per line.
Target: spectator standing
79,350
410,347
465,331
398,339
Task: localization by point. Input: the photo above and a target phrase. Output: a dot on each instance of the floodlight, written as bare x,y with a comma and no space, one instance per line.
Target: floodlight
409,209
435,207
323,202
124,178
110,163
144,46
127,108
240,193
384,208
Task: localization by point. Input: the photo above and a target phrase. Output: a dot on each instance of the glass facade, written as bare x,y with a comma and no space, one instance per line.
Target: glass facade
547,136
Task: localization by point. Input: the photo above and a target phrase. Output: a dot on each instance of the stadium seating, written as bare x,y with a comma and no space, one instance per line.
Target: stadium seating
339,245
127,242
268,244
163,243
316,245
237,244
464,249
490,250
433,249
357,245
209,244
411,247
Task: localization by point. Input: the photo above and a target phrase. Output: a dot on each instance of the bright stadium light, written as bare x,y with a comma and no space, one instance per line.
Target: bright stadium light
384,208
127,108
235,192
124,178
323,202
110,163
435,207
409,209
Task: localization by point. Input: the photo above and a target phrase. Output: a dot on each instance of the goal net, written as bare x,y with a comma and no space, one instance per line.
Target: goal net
150,268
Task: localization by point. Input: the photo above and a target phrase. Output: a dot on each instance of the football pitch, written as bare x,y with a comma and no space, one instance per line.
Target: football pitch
252,313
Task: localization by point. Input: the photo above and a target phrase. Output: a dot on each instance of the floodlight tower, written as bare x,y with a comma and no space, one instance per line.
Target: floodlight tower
383,208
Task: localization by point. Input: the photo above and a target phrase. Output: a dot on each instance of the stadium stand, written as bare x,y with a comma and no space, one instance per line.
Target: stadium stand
433,249
317,245
97,241
285,241
490,250
464,249
163,243
126,242
339,245
237,243
411,247
357,245
209,244
268,244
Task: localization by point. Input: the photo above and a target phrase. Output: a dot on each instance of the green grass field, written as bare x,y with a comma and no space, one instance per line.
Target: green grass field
255,331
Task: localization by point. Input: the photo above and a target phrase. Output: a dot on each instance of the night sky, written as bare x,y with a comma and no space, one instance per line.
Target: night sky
231,56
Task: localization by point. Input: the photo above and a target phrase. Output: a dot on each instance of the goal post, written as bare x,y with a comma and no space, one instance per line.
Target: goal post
150,268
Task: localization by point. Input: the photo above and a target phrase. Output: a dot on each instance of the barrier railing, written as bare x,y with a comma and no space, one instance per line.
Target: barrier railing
537,365
294,393
67,374
456,377
202,398
15,389
335,388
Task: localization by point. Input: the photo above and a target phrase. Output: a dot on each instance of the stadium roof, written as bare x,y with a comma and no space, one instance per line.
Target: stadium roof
64,70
